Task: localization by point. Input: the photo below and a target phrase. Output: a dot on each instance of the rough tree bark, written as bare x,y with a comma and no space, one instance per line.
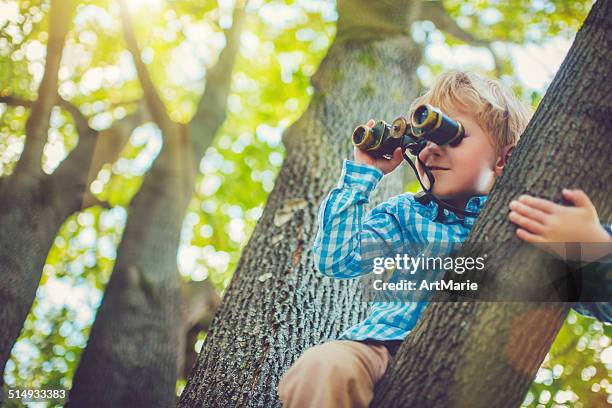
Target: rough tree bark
277,305
487,354
200,303
135,348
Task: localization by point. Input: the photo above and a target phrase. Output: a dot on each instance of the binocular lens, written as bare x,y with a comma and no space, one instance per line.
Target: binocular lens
359,135
420,114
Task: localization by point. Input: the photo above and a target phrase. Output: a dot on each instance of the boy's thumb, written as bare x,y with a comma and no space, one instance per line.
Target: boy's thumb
578,197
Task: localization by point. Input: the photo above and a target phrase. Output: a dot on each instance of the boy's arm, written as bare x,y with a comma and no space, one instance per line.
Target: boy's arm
599,310
346,244
542,221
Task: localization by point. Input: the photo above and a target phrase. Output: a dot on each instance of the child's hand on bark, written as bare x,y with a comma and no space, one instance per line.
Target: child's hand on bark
542,221
384,165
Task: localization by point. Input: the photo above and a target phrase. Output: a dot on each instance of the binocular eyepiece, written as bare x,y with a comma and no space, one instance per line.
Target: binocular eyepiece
426,123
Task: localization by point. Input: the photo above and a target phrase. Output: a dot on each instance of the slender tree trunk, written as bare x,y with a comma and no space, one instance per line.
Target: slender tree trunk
277,305
487,354
135,348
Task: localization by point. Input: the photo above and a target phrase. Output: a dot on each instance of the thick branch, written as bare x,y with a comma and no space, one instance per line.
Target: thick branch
80,120
212,108
15,101
175,134
109,145
71,175
38,121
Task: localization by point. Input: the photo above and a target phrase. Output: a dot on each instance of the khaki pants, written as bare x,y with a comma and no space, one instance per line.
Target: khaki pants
340,373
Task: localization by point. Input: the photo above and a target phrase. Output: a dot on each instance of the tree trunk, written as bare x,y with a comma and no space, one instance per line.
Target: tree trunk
200,303
130,359
480,354
32,204
277,305
134,348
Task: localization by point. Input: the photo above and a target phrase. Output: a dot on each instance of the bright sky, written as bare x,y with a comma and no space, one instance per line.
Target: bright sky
9,11
534,65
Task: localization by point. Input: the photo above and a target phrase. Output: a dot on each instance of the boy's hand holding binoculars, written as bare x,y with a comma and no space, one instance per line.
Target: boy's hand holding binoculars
384,165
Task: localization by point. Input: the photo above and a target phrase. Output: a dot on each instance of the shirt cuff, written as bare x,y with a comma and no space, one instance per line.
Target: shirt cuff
362,177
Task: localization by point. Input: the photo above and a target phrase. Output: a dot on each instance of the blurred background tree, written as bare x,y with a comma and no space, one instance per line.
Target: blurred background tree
281,45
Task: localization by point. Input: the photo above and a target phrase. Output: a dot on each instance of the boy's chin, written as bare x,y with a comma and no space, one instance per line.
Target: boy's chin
447,195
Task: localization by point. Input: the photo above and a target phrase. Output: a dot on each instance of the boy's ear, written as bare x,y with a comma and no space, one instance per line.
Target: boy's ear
503,158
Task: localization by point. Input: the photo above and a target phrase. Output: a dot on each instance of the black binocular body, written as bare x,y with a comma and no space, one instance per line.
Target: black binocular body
427,123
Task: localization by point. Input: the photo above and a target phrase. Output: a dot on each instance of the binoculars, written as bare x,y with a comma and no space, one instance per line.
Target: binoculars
426,123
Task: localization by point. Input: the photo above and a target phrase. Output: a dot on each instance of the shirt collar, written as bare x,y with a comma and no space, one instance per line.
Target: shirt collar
475,204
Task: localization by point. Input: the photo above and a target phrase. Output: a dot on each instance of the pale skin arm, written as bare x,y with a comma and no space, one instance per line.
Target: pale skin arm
542,221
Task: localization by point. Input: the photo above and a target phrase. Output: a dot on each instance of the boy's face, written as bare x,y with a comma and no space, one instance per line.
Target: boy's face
465,170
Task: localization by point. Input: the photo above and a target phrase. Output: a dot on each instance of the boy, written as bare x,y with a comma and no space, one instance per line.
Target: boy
343,373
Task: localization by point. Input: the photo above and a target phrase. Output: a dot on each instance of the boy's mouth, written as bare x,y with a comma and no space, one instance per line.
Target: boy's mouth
434,168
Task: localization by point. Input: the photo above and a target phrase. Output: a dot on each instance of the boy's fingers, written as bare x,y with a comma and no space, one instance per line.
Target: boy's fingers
526,223
529,237
397,154
527,211
577,197
538,203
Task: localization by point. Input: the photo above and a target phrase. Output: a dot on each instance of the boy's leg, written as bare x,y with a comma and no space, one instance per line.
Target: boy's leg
336,374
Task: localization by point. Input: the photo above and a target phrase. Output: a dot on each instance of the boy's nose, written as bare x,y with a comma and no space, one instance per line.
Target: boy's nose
430,149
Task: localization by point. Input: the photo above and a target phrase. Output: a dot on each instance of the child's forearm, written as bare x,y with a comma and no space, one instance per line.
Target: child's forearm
602,311
340,220
599,310
338,247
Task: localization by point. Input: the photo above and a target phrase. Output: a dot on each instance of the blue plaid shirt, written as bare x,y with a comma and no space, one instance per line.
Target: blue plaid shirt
406,226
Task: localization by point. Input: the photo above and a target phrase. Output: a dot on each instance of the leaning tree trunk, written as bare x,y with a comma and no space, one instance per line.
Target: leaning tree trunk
277,305
483,354
33,205
134,348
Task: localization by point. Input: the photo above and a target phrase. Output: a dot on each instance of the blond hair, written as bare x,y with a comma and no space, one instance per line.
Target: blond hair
496,108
